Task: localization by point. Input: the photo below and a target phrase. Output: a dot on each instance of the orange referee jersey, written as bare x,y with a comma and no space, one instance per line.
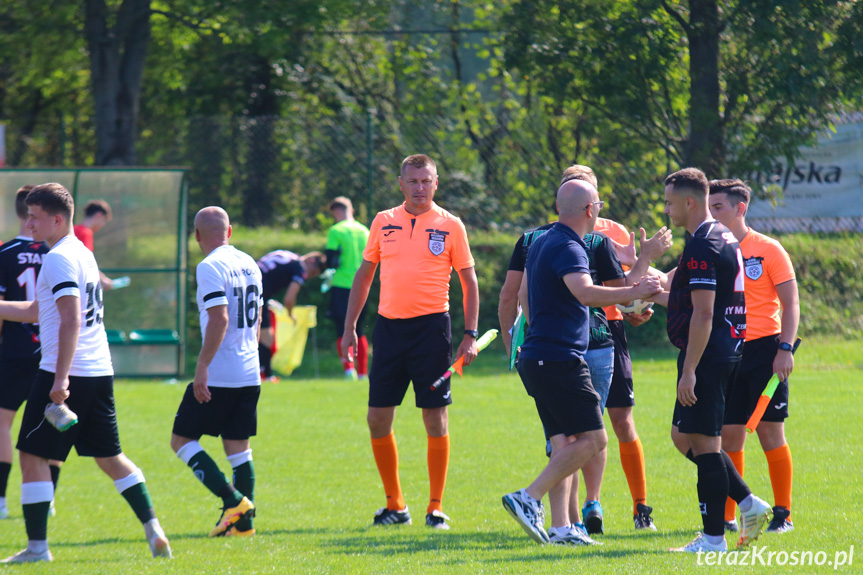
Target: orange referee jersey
618,233
767,265
416,256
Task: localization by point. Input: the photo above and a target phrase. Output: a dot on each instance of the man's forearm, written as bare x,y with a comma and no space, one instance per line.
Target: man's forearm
700,327
67,343
20,311
213,337
359,294
470,295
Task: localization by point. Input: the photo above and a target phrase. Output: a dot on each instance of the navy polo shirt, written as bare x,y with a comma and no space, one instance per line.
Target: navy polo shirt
559,323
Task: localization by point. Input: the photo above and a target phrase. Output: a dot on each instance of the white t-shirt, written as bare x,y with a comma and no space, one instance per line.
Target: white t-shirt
70,269
230,277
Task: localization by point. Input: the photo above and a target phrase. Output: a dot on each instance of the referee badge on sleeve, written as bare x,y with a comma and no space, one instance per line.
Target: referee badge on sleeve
437,243
753,267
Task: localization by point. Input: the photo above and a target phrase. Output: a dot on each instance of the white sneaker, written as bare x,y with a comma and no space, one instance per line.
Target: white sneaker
4,511
529,513
159,545
51,511
700,543
570,536
752,521
28,556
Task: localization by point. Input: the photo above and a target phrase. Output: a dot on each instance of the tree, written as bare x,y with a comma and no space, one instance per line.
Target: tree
724,85
117,44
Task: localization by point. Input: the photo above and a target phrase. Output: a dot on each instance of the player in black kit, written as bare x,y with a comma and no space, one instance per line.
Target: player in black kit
283,271
20,262
707,322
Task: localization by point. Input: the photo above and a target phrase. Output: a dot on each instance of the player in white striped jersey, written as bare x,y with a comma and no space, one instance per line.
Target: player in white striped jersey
223,398
75,370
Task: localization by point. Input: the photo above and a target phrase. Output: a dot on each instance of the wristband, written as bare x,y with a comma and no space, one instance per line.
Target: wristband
784,346
472,332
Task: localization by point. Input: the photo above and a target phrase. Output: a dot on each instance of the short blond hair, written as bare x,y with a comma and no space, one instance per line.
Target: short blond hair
579,172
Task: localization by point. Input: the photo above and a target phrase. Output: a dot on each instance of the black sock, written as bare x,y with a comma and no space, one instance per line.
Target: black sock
737,488
36,520
5,469
689,456
55,475
712,492
266,359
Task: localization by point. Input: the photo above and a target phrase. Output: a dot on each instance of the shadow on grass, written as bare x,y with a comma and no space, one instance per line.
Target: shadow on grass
516,547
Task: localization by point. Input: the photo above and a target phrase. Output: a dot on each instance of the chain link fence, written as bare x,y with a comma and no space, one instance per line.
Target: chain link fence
284,170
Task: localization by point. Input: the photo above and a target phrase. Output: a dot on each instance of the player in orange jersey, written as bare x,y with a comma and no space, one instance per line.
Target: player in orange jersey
772,317
417,244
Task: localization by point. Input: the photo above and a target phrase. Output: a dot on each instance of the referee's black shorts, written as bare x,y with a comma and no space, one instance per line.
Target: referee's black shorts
565,399
16,380
95,434
418,350
756,369
712,379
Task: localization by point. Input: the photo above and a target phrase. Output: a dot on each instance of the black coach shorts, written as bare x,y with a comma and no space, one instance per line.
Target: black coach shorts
712,379
16,381
95,435
622,391
756,369
565,399
231,413
418,350
338,311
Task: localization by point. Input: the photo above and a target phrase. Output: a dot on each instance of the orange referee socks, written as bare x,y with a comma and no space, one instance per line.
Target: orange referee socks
438,462
738,458
387,460
781,473
632,460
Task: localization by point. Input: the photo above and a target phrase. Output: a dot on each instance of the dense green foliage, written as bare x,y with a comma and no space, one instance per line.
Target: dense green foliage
318,487
276,104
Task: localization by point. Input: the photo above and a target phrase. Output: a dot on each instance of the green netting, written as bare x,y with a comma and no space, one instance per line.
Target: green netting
145,240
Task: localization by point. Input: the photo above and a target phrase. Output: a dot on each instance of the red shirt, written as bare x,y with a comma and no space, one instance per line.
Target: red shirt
84,234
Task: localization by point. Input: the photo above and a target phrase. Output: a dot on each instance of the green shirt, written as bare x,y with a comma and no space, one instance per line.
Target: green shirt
349,239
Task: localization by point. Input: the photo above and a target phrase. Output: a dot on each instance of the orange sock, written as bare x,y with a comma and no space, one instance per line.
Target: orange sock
438,462
781,473
387,460
738,459
632,460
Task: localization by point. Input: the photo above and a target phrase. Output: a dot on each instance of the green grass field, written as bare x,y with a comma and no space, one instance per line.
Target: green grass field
318,487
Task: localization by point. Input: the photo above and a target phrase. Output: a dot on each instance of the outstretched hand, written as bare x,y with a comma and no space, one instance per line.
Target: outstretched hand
658,244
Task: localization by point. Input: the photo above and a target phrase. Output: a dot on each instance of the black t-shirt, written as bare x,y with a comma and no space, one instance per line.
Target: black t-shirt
711,260
604,266
278,270
522,247
20,264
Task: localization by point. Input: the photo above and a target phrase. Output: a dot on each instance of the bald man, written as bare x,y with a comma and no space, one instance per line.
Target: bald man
551,363
222,400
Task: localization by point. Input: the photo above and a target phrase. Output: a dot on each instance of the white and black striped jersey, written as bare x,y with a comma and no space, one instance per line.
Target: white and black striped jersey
70,269
230,277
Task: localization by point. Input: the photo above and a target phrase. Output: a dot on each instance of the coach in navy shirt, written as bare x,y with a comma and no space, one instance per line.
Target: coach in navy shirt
551,363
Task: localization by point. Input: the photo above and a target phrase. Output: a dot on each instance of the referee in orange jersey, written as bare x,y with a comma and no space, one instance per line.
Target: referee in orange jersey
772,317
417,244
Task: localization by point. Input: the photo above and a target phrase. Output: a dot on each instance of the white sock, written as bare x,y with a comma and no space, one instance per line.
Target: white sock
714,539
746,504
2,502
153,529
37,546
